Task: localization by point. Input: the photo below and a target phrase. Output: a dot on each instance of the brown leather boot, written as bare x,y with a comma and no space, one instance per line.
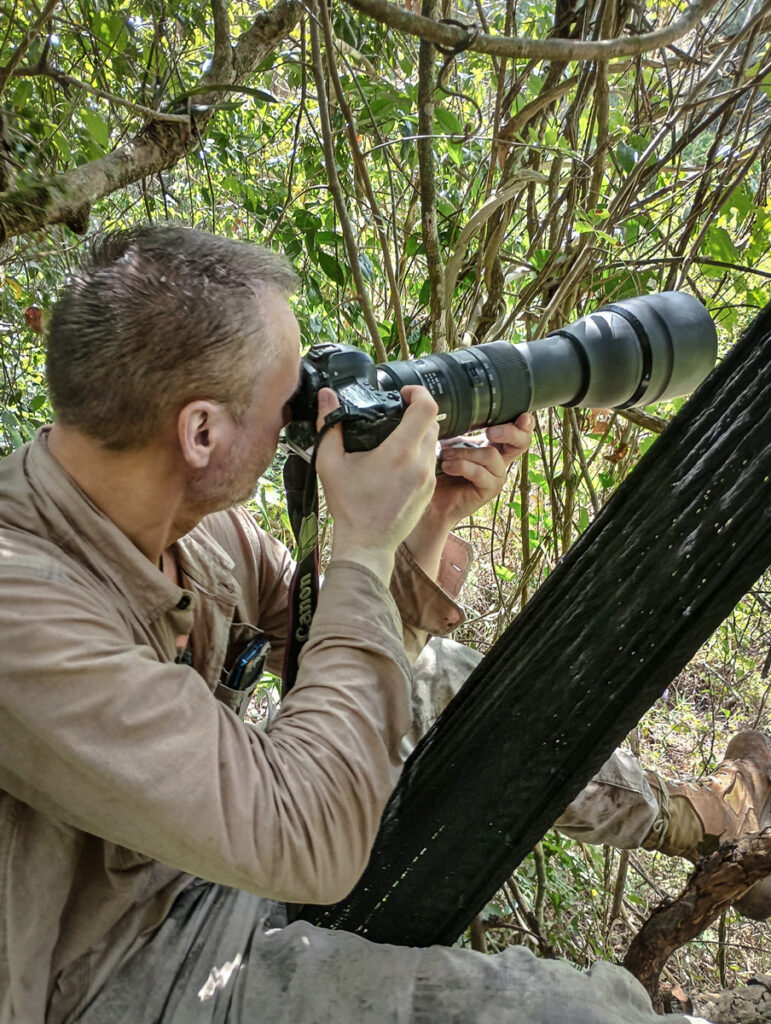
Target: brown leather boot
695,815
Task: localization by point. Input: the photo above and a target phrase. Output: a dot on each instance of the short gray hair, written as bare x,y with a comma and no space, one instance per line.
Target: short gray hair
156,317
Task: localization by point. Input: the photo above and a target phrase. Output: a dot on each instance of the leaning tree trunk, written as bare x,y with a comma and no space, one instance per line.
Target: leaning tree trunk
681,541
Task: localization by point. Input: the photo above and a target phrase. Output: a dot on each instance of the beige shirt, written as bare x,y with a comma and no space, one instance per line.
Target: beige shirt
122,775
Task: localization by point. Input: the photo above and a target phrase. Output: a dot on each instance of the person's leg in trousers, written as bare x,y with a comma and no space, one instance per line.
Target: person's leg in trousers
220,959
623,805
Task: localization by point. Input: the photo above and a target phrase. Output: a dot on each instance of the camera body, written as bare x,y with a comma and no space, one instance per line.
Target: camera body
629,353
370,414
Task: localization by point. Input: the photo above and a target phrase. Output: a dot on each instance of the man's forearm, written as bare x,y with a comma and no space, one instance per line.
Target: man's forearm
427,540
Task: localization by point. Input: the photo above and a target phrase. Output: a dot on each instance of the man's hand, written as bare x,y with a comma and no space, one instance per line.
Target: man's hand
472,477
474,474
377,497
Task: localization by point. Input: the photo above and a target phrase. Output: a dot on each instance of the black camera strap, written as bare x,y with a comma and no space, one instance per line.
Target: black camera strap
303,506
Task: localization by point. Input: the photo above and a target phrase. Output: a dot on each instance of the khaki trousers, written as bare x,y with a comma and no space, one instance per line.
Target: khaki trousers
222,957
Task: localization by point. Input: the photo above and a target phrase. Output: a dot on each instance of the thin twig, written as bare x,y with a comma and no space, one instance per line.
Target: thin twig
618,888
69,81
32,33
361,166
337,192
434,263
579,450
540,892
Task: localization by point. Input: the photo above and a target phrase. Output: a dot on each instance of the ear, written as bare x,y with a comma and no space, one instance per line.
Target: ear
202,428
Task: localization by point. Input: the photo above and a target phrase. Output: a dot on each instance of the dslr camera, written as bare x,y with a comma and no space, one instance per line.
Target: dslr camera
633,352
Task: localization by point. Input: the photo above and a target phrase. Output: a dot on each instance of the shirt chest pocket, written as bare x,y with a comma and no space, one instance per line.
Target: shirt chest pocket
247,652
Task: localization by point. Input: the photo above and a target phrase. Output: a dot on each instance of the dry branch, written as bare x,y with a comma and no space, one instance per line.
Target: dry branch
643,419
747,1004
328,146
453,38
717,882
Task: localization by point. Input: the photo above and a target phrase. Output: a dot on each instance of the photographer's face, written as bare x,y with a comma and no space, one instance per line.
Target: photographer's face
253,439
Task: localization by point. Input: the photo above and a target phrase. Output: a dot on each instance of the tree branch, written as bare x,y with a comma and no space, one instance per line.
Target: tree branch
251,47
222,64
155,148
426,90
716,883
68,81
32,33
643,419
450,36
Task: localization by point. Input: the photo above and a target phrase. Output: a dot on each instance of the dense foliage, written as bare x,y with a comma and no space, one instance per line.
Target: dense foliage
429,199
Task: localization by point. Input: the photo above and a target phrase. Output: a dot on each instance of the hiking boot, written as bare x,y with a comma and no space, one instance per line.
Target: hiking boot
696,815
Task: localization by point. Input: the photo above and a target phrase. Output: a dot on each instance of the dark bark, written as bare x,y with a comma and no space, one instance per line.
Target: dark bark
748,1004
681,541
716,883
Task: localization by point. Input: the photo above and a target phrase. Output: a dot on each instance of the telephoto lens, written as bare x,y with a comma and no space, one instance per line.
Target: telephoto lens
633,352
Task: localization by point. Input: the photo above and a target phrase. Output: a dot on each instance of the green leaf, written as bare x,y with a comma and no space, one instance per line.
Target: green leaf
413,245
258,94
456,153
331,267
384,105
22,93
626,156
738,200
367,270
96,127
448,121
718,244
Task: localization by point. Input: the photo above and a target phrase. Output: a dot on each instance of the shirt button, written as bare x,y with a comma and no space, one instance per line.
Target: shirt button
183,603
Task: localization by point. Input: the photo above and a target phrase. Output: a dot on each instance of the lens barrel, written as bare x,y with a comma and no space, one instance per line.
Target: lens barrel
633,352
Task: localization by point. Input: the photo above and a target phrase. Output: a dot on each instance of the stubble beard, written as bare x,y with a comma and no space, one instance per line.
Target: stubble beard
232,483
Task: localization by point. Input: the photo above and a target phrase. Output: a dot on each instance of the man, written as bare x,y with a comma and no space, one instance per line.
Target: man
147,836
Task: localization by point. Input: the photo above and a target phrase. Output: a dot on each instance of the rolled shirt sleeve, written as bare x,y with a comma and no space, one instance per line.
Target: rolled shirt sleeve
427,607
